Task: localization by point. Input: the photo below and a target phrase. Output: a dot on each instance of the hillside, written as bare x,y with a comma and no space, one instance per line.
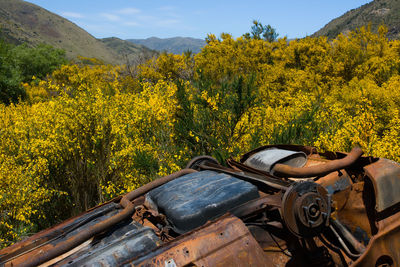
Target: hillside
376,13
176,45
127,50
23,22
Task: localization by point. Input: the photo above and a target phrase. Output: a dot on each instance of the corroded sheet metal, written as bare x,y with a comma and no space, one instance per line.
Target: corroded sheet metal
24,249
385,176
338,184
366,201
48,249
226,242
383,248
116,245
354,214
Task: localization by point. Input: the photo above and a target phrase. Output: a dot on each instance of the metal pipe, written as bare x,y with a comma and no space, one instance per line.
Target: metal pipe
357,246
318,170
334,249
87,233
343,244
276,184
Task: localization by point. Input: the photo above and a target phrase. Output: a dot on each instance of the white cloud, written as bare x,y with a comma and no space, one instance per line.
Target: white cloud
110,17
72,15
128,11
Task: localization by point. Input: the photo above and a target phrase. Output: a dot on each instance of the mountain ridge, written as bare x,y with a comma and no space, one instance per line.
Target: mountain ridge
175,45
374,13
24,22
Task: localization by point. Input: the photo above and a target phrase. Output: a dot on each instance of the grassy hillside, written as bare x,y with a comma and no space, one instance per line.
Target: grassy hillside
376,13
126,50
176,45
23,22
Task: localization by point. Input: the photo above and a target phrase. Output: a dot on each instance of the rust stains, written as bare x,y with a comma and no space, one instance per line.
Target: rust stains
226,242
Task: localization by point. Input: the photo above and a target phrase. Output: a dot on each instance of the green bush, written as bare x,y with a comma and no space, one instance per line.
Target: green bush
19,64
38,61
10,76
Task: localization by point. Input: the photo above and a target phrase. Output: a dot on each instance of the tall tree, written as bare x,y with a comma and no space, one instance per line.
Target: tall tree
259,31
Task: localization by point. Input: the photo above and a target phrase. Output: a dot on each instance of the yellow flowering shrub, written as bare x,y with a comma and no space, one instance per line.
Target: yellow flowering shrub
88,133
90,138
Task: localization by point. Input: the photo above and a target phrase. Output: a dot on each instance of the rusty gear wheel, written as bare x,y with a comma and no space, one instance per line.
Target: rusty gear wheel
306,208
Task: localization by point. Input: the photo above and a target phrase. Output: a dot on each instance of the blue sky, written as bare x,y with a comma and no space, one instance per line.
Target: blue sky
142,19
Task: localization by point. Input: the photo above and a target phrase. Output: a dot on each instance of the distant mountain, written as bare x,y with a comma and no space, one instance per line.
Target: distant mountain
377,12
23,22
128,51
176,45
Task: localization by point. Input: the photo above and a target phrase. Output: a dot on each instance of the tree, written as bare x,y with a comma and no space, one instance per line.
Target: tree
10,77
259,31
19,64
269,33
38,61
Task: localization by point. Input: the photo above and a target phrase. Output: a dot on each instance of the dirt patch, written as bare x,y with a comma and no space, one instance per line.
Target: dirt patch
380,12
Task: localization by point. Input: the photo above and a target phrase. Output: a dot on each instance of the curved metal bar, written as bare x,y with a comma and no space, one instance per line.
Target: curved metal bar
196,161
85,234
318,170
275,184
334,248
343,244
341,229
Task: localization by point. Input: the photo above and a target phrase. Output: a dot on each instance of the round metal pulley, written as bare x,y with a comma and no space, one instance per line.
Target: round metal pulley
306,208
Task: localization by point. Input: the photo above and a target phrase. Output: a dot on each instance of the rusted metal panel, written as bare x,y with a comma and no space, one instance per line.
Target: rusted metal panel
384,247
115,246
385,176
354,215
49,250
52,234
275,249
226,242
279,228
338,184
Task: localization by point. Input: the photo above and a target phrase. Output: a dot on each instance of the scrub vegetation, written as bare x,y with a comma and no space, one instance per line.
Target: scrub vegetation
86,133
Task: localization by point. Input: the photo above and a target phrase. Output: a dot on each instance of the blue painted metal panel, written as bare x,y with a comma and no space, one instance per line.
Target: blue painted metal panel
193,199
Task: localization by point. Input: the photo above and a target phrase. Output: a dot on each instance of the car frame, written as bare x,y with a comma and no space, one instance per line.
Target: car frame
339,209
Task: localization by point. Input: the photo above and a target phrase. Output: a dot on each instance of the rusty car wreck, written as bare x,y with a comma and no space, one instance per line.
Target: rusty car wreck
281,205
